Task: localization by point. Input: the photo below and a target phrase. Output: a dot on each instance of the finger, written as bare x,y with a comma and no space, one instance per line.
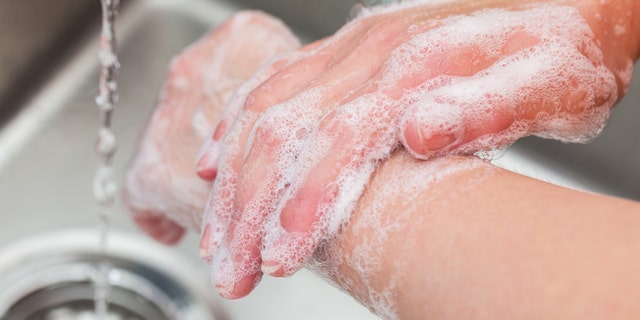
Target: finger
551,92
376,46
159,227
252,27
218,212
549,80
371,116
161,178
237,274
379,72
231,279
334,167
314,207
274,151
152,221
297,73
206,164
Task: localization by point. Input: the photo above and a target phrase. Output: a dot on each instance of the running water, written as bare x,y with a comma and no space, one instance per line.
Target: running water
104,186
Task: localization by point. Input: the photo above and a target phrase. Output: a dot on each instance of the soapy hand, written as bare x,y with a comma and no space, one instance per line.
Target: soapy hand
300,140
162,190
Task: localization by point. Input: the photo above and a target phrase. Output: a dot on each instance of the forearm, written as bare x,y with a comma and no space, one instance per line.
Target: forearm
484,243
489,244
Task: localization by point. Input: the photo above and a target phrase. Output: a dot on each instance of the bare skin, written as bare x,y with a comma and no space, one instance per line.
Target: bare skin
162,190
332,91
486,243
287,71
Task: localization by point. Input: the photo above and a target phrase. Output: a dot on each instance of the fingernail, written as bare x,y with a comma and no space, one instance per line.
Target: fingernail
222,272
205,241
205,169
438,142
238,290
172,235
221,129
281,255
225,276
206,166
426,144
225,290
272,246
272,268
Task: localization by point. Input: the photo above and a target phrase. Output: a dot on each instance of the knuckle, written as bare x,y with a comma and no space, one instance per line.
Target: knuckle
259,98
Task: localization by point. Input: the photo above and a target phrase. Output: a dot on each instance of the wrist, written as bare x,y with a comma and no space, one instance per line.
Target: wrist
380,256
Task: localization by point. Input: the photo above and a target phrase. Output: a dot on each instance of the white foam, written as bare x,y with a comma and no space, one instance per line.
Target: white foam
566,56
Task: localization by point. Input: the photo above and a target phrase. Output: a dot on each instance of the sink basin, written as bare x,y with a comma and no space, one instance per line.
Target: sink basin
46,148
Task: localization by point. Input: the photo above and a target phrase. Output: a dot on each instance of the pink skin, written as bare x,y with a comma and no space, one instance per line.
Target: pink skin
352,104
162,190
350,107
206,167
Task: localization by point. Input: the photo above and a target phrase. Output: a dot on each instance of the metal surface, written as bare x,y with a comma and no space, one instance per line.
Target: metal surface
47,160
51,274
316,18
34,36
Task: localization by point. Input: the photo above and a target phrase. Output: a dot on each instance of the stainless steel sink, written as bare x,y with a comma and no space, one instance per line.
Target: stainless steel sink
46,144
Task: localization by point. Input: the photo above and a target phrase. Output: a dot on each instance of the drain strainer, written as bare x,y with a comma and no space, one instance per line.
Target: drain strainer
49,277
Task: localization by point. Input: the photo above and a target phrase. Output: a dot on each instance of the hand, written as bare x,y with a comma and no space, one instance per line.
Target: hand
162,190
299,148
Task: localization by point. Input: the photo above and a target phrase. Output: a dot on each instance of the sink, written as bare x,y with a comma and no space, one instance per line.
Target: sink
46,141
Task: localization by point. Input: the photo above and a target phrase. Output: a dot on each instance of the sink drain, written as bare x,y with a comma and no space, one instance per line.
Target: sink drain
49,277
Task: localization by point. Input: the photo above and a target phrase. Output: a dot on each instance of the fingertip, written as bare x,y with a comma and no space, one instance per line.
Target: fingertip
287,253
207,174
206,168
413,138
220,130
207,159
287,248
239,289
272,252
432,126
272,268
205,251
425,145
159,227
230,280
173,236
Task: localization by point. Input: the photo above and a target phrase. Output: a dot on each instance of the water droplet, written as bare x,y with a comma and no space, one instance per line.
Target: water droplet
107,58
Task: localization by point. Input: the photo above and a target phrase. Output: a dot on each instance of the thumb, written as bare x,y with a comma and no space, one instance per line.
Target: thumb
551,93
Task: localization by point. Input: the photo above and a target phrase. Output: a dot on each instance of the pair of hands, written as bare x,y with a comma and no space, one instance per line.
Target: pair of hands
300,137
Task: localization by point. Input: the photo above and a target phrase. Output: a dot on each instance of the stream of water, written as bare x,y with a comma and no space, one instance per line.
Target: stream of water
104,185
